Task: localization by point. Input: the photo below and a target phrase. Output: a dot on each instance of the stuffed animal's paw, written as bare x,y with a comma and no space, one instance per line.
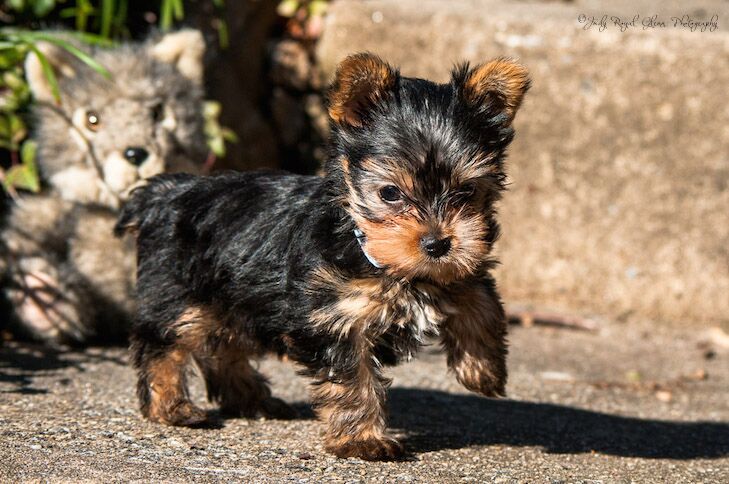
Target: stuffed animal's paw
43,306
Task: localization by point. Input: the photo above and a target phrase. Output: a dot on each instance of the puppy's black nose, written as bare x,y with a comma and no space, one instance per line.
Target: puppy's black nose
435,247
136,156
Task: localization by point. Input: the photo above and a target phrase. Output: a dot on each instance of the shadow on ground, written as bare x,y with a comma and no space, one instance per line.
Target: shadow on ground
434,420
21,363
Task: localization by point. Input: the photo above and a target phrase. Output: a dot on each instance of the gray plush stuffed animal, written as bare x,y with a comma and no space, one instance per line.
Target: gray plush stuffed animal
66,277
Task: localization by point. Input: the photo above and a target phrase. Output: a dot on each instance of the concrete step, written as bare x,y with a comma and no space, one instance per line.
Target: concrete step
619,203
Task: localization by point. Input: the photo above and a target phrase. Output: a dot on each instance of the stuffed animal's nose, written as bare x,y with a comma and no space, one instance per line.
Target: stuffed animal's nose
435,247
136,156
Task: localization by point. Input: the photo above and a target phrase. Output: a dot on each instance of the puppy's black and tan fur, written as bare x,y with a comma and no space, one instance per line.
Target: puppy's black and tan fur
342,274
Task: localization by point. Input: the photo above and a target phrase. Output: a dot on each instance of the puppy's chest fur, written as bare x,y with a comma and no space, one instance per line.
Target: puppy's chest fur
390,318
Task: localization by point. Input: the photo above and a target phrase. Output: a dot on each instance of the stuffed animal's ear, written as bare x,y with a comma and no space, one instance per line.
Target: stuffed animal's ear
496,88
63,63
362,81
185,49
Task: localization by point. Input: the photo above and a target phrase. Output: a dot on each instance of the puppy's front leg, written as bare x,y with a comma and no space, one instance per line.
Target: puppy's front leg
474,337
353,406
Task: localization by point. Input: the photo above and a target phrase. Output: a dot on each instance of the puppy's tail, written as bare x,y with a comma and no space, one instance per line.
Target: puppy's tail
147,201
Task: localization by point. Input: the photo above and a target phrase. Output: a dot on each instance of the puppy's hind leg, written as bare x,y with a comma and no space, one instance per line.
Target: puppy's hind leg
239,389
162,386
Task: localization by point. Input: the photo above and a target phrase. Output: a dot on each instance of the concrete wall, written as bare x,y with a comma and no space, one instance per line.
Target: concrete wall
620,169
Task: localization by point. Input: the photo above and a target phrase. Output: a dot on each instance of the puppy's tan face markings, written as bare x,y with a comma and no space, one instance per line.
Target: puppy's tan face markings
391,202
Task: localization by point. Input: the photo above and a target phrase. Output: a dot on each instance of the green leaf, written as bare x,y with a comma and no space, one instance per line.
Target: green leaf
215,134
287,8
18,131
82,56
17,5
229,135
107,15
81,15
217,146
13,80
84,10
12,130
318,8
20,176
4,128
211,111
25,175
48,72
223,34
41,8
169,11
92,39
165,17
68,12
9,102
178,9
28,152
12,53
120,18
8,61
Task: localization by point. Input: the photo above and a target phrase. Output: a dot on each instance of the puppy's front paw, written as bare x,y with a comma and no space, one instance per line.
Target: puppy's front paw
482,376
180,414
385,448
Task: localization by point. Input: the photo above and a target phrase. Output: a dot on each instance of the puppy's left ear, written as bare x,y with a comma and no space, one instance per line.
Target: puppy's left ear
495,88
362,82
184,49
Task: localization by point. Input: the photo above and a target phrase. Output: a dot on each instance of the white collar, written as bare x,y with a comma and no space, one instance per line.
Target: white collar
362,240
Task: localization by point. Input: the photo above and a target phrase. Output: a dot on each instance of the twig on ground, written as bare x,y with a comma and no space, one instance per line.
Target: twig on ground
529,317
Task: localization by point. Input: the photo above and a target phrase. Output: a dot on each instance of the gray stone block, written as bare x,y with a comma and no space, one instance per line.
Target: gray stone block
619,202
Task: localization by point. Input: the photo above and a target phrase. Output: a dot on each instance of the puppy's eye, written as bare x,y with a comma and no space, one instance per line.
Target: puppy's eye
464,193
158,112
93,121
390,194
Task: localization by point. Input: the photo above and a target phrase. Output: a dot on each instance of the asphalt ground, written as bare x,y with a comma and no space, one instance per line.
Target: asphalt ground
625,403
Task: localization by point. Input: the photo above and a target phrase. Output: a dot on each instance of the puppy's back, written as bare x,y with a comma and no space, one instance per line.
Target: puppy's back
146,202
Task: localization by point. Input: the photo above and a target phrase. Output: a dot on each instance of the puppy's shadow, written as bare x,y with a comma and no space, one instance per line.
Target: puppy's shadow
435,420
217,419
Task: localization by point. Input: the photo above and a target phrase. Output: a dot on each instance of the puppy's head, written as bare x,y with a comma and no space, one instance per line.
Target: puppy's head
418,165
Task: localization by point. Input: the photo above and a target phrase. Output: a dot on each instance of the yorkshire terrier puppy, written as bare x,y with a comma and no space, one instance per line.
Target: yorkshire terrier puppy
342,274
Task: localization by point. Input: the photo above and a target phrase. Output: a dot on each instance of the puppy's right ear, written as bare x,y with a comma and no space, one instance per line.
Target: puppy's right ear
59,60
361,83
495,89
